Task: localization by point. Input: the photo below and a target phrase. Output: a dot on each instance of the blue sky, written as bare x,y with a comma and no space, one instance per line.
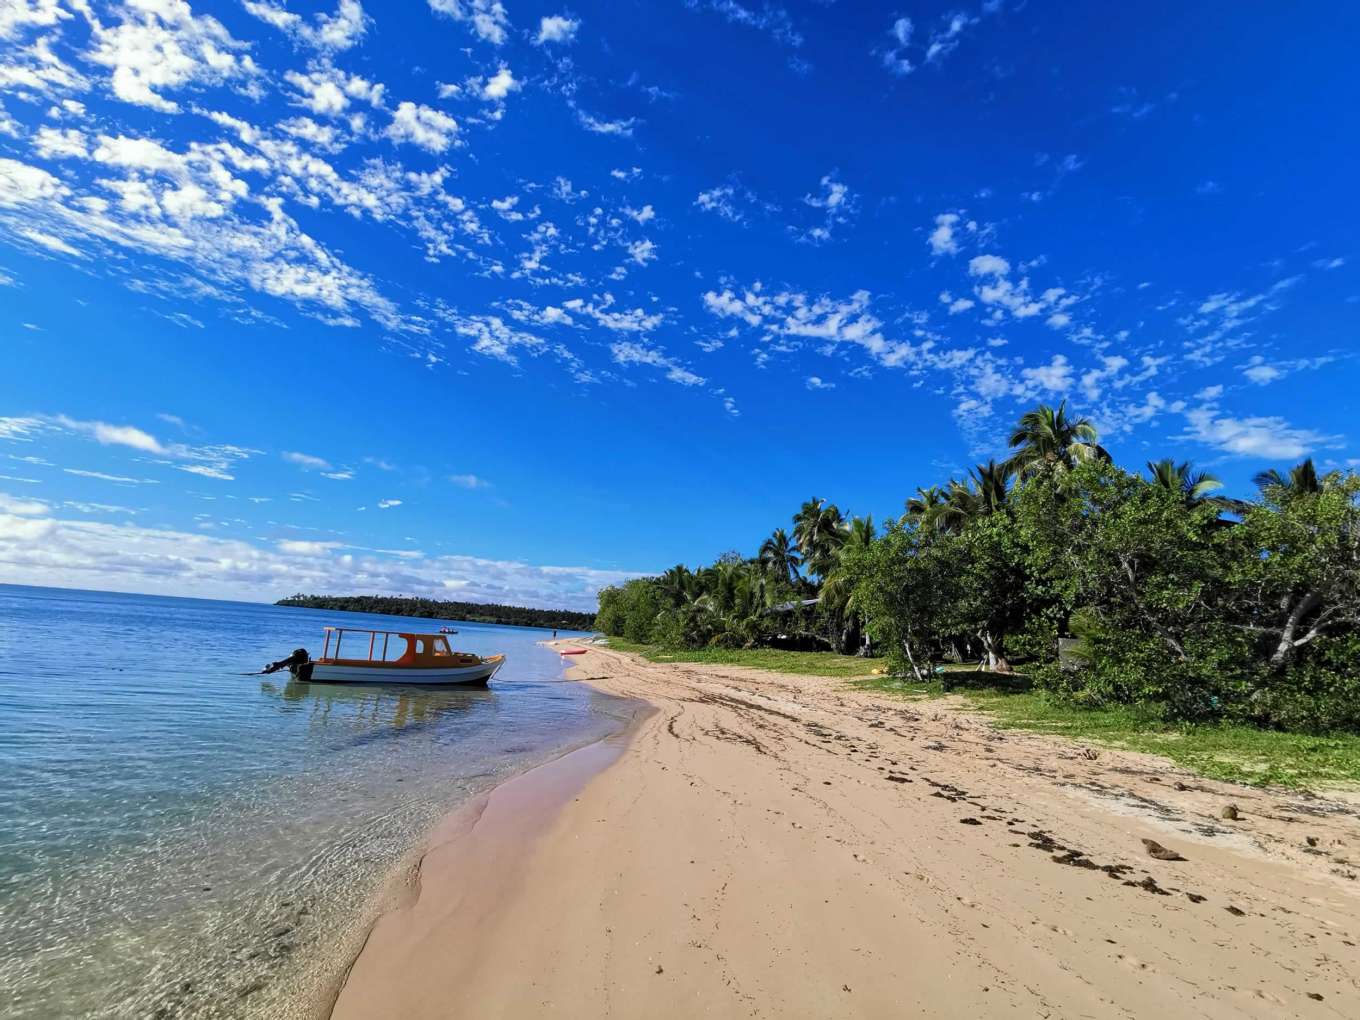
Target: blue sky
508,301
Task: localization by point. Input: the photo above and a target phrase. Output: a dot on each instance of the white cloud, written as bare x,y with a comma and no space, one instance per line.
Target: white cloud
722,200
210,461
789,318
839,205
1002,294
206,471
642,252
500,85
161,45
629,320
114,435
557,28
815,382
1055,377
300,547
469,481
328,91
621,127
306,460
122,556
329,33
942,240
896,58
49,241
30,13
644,215
1220,322
627,352
22,507
774,21
431,129
55,143
1269,438
988,265
387,504
187,207
104,477
1262,372
15,529
488,18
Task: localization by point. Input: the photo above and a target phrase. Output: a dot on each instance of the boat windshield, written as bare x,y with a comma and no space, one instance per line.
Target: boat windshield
353,644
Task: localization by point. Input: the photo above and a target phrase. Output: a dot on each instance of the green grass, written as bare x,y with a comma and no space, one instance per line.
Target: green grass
1241,754
805,663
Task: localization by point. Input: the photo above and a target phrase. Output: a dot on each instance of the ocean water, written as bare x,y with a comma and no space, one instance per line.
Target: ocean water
178,840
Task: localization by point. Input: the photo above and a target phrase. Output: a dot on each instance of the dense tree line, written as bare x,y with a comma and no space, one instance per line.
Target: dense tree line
436,609
1103,585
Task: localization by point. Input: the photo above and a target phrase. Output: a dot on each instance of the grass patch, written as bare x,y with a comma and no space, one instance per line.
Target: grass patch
1240,754
778,660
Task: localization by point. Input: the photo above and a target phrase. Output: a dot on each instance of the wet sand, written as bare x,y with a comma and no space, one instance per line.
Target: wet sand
772,845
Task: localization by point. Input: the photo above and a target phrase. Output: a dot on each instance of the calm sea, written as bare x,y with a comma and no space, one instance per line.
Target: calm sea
178,840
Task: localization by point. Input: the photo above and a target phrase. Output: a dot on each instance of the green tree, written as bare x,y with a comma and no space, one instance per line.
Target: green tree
902,587
818,529
1301,480
1195,488
837,599
926,508
1296,578
779,557
1046,439
988,595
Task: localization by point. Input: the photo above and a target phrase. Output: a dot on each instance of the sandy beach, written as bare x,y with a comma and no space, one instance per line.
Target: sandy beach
758,844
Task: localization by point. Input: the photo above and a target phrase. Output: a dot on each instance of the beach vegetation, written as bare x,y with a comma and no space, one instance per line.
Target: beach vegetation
441,609
1108,589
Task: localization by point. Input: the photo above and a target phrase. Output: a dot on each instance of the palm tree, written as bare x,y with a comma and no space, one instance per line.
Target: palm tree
837,595
678,584
1301,480
990,489
947,510
859,533
818,528
924,508
1046,439
1192,486
779,558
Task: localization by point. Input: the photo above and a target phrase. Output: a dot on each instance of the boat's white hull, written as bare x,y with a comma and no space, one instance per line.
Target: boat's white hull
335,674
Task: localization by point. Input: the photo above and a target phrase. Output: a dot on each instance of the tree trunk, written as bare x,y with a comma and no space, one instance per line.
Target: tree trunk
1287,643
906,647
996,656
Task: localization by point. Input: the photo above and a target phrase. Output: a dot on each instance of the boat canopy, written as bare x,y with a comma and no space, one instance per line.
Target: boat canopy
407,650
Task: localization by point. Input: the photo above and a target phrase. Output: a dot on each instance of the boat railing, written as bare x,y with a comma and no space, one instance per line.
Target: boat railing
437,643
340,633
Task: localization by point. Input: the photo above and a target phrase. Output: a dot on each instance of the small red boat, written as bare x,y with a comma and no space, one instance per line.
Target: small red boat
573,651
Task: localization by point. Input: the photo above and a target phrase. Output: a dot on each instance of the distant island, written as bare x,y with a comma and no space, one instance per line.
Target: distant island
437,609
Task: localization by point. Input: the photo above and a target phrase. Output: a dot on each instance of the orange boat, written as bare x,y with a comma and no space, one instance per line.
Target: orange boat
399,658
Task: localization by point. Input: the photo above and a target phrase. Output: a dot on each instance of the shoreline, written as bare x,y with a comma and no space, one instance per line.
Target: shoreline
509,817
764,844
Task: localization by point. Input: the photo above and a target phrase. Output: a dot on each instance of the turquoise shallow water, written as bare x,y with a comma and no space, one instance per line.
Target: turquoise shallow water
179,840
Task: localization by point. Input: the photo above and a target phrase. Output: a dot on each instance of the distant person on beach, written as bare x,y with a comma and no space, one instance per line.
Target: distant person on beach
554,632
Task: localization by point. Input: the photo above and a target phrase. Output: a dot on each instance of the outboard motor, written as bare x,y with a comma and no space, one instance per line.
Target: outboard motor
299,664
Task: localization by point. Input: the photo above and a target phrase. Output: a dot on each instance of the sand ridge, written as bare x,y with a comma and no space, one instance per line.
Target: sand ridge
782,846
